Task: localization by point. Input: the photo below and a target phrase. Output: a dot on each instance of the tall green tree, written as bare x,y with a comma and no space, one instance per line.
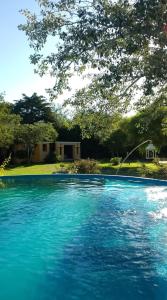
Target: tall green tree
9,123
31,134
148,124
34,109
122,42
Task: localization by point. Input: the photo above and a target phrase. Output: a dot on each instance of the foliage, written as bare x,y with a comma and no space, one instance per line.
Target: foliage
85,166
64,169
156,161
102,136
160,173
147,124
31,134
4,165
123,43
98,125
58,158
145,171
9,123
115,161
34,109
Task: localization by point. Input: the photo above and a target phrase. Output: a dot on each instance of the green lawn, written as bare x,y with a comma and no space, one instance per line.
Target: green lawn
33,169
131,169
106,168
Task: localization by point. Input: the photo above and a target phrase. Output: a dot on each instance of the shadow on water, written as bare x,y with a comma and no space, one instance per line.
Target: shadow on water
111,258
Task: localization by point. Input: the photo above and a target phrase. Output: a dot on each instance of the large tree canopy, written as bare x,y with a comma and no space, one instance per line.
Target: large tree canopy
8,124
34,109
123,41
31,134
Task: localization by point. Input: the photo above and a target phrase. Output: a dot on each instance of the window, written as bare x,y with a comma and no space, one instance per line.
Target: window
45,147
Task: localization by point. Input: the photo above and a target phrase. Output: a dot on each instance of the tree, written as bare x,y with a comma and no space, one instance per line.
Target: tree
31,134
147,124
2,97
34,109
123,42
8,125
96,125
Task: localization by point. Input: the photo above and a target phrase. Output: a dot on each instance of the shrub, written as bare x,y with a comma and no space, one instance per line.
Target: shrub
156,161
64,170
58,158
144,171
62,165
115,161
85,166
161,173
4,165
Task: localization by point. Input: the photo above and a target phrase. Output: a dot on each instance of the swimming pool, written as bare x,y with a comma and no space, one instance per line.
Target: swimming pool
83,238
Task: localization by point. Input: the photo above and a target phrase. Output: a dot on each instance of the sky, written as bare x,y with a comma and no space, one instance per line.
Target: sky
16,73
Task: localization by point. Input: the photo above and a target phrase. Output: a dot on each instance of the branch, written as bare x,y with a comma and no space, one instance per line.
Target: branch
132,83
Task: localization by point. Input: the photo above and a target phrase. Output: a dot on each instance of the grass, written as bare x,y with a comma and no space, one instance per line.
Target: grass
131,169
33,169
106,168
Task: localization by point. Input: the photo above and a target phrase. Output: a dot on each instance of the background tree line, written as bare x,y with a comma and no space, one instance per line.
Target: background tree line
34,119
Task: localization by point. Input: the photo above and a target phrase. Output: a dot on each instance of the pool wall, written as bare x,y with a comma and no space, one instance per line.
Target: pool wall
89,176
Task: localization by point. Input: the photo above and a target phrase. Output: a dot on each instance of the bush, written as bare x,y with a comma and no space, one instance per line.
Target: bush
144,171
85,166
62,165
161,173
63,169
156,161
58,158
115,161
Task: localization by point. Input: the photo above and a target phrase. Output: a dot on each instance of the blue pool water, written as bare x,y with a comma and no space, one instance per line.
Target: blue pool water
83,239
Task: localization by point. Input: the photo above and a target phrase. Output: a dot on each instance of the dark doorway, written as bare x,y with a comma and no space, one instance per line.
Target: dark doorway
68,152
52,147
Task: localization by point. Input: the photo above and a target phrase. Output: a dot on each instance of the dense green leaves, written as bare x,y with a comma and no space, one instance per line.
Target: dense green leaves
31,134
12,131
122,42
34,109
8,125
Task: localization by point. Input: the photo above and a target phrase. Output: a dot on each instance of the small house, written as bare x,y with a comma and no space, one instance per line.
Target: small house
64,151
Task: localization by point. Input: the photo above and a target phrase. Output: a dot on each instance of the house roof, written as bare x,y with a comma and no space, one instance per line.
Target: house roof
150,147
67,143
